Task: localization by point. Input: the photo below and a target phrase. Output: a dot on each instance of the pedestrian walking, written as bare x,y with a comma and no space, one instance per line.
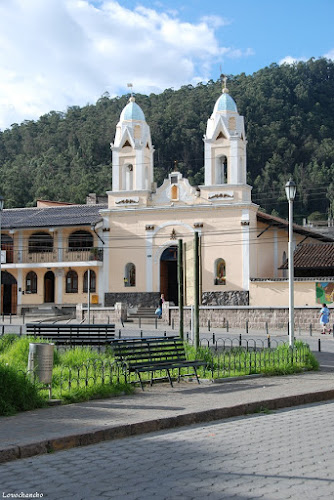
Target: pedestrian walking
324,319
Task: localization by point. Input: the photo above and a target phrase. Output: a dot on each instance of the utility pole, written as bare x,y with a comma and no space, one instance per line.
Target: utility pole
88,296
196,290
180,285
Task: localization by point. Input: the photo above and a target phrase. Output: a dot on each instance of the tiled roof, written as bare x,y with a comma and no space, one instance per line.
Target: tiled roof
319,256
69,215
274,221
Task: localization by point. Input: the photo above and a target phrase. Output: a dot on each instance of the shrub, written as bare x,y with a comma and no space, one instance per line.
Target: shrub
14,350
18,393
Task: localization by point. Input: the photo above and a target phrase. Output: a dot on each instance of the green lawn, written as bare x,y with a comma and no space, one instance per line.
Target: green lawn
81,374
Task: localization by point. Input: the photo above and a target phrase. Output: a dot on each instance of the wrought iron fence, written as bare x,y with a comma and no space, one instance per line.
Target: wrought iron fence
238,361
227,362
89,374
224,343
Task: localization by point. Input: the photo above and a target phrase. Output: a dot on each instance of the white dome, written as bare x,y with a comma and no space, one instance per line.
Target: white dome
132,111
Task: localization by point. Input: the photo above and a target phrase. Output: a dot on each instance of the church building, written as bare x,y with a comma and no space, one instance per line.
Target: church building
127,246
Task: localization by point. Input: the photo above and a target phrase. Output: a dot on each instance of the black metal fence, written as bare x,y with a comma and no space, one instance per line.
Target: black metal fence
89,374
239,361
222,361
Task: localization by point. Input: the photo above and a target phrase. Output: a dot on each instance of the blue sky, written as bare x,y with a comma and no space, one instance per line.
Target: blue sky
272,30
59,53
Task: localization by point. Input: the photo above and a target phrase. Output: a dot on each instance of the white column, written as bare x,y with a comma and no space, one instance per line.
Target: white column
115,171
275,254
103,273
149,263
139,173
19,286
20,246
60,245
245,250
59,284
233,161
208,162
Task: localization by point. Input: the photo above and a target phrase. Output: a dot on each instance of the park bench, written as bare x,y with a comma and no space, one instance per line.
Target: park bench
73,335
154,355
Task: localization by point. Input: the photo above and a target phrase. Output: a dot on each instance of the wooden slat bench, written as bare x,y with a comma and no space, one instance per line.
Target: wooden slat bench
73,334
153,355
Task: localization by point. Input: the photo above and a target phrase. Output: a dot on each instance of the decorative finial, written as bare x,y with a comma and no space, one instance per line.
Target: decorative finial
132,99
224,81
175,166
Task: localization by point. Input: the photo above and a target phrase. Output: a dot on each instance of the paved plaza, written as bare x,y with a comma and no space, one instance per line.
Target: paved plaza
282,453
287,454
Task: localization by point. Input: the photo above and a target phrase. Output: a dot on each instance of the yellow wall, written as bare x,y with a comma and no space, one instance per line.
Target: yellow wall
276,293
264,250
221,237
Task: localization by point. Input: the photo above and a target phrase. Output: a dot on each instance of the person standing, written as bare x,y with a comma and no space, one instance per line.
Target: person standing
324,319
158,310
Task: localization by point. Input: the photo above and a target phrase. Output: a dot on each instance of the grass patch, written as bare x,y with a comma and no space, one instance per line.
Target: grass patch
18,393
237,361
81,373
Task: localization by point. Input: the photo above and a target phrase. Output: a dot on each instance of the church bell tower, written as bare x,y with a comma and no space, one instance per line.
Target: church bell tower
132,152
225,144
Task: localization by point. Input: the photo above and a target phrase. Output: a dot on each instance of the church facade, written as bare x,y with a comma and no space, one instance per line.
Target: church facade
125,250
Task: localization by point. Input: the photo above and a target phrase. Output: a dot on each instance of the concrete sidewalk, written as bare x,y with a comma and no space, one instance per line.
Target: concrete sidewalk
158,407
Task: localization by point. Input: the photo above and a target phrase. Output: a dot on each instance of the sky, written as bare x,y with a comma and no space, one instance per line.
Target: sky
60,53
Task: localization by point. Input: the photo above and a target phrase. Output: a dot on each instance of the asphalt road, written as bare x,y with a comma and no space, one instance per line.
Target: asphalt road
287,454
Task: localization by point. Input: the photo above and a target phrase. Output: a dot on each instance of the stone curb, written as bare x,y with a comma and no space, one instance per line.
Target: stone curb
121,431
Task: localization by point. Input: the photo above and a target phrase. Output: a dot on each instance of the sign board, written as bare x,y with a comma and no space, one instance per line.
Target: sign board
95,298
324,292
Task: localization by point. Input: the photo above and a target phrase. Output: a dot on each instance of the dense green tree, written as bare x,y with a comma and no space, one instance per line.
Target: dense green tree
289,118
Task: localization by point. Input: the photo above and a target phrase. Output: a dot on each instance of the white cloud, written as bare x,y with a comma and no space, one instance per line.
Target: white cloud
330,54
292,60
58,53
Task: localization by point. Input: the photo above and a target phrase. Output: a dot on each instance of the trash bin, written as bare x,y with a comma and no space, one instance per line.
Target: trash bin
40,363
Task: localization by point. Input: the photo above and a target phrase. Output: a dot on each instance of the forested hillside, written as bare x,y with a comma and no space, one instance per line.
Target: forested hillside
289,118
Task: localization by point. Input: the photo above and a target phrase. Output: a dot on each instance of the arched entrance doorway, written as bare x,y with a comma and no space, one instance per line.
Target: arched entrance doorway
168,274
49,287
8,293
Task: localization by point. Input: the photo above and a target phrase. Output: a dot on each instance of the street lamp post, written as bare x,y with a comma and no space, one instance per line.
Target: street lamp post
290,190
2,200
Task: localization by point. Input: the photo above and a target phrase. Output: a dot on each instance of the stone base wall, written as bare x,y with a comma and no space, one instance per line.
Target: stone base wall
236,317
98,314
132,300
233,298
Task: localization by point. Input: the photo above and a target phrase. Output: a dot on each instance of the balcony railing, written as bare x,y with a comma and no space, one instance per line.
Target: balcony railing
58,255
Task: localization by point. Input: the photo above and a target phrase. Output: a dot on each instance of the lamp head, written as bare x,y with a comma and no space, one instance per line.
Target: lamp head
290,190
